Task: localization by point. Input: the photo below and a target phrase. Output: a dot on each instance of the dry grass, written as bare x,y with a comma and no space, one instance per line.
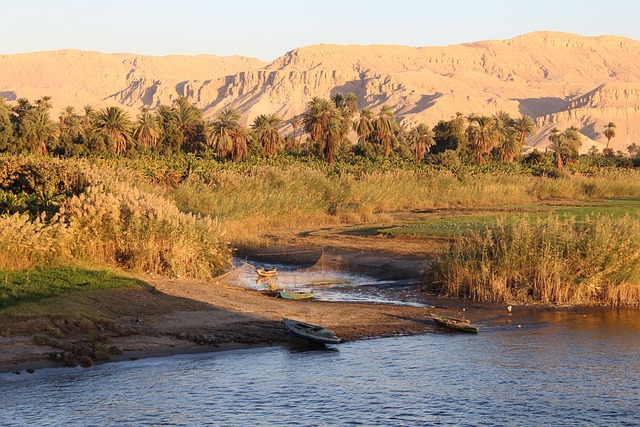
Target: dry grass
548,260
261,199
124,212
108,222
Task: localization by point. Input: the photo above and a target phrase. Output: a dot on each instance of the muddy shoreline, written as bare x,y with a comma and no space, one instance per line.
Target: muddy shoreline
180,316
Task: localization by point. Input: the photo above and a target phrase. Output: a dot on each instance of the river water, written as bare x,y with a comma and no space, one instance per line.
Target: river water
530,368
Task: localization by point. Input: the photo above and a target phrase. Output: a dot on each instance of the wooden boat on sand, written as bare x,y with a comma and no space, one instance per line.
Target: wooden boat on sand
263,274
311,332
452,323
295,295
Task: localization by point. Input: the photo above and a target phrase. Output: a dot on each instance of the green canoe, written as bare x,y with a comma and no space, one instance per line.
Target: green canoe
295,295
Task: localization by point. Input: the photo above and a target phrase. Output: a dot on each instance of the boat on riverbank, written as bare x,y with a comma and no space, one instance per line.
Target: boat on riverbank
311,332
461,325
263,274
295,294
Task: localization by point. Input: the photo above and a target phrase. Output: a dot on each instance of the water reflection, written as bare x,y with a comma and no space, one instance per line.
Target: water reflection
559,368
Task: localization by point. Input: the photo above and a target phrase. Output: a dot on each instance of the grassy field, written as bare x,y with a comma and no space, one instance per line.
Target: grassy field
28,286
182,216
462,222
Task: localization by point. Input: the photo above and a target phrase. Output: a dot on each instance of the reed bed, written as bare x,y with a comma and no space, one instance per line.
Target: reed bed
181,215
548,260
107,221
264,198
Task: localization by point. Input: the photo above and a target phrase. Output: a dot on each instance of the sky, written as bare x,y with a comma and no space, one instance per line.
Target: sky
267,29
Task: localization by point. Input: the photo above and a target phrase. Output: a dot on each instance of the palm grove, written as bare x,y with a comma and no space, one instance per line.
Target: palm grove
181,127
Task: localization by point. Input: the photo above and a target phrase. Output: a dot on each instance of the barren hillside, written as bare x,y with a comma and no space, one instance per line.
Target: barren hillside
559,79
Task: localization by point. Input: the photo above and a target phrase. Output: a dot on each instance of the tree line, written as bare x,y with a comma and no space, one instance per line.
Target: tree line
327,123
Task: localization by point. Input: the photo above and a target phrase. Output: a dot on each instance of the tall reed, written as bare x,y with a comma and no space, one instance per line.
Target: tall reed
104,221
257,199
548,260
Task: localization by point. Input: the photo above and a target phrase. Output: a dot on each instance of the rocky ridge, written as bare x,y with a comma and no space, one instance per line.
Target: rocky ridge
559,79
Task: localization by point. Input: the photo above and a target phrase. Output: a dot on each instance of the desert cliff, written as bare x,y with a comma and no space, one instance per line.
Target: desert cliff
559,79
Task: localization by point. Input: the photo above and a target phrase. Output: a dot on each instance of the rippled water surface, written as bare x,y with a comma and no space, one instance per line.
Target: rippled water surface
328,284
534,369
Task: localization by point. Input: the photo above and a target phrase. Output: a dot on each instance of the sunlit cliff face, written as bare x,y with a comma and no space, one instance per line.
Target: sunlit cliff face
559,79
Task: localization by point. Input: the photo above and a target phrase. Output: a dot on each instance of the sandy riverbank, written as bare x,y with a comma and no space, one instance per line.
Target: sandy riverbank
173,316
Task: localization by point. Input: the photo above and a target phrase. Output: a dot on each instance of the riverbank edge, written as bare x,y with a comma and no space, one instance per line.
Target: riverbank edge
27,367
161,343
254,321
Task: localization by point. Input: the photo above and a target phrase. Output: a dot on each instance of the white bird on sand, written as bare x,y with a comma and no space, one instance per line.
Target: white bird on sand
509,309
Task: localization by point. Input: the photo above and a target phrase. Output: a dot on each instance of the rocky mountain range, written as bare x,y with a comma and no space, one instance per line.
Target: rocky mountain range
559,79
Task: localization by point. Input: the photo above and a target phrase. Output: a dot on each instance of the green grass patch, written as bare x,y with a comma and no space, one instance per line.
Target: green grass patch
18,287
463,224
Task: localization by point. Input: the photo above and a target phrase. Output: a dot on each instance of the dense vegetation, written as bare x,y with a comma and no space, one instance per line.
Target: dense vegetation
171,193
57,212
327,124
551,260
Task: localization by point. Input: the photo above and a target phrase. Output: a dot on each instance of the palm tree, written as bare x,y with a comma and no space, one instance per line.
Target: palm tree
114,123
363,126
385,124
564,144
316,120
295,125
239,137
422,139
483,135
6,127
187,118
351,103
573,140
265,130
220,135
5,111
38,129
20,109
44,102
348,103
70,123
555,137
333,137
507,142
87,119
523,126
147,129
609,132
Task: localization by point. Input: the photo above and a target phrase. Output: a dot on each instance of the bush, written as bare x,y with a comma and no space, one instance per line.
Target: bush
78,213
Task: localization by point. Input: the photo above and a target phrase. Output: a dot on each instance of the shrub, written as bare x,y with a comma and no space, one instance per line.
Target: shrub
87,213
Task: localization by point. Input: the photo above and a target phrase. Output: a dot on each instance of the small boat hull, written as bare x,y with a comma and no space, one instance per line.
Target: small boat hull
263,274
454,324
311,332
295,295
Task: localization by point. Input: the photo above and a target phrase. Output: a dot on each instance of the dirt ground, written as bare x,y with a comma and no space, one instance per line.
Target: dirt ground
177,315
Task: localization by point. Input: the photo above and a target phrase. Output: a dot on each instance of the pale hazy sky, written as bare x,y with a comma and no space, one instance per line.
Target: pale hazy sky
267,29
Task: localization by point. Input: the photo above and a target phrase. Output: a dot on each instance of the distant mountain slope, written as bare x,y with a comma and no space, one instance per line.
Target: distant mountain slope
77,78
559,79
